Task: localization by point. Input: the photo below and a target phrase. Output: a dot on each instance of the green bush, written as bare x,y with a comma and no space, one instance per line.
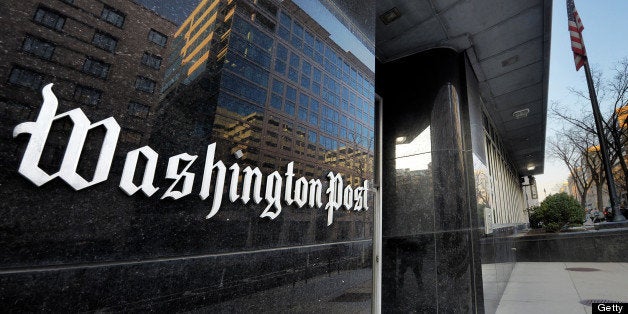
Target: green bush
536,216
560,210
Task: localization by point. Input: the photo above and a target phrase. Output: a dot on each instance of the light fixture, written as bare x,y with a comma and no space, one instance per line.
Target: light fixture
520,114
510,61
531,167
390,15
401,139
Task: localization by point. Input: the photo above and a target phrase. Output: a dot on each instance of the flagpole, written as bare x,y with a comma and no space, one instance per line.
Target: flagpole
597,116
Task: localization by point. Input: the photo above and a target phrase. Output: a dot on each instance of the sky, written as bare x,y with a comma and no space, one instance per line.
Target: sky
606,40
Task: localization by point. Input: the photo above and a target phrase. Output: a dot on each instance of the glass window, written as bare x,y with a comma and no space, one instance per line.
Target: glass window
275,101
309,39
314,105
308,51
49,19
294,60
318,58
247,69
96,68
305,81
145,84
296,42
26,78
313,118
293,74
244,89
316,88
306,68
283,33
289,108
104,41
280,66
302,114
87,95
38,47
250,51
253,34
284,19
151,60
311,136
157,37
278,87
112,16
297,29
304,99
317,74
320,47
138,110
282,52
291,93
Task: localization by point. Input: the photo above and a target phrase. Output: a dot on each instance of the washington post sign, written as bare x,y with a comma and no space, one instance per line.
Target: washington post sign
278,188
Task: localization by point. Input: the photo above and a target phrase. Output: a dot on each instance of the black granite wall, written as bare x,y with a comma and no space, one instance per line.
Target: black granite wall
431,254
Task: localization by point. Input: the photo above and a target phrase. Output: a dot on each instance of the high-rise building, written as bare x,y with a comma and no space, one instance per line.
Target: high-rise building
105,57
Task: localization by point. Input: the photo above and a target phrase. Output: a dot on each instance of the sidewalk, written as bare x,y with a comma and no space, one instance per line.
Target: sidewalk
551,288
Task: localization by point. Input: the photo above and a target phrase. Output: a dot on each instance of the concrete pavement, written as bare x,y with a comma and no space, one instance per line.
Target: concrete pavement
563,287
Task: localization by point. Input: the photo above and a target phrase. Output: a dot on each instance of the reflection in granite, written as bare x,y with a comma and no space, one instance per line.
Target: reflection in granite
431,257
263,80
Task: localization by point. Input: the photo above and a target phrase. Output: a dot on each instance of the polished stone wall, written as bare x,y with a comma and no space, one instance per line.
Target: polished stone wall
431,254
141,64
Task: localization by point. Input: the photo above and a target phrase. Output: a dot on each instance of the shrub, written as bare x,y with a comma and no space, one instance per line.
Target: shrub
536,216
559,210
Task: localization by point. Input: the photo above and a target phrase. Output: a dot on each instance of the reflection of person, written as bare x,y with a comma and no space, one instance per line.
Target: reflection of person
410,255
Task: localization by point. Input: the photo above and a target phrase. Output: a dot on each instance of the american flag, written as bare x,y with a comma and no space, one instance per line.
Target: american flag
575,31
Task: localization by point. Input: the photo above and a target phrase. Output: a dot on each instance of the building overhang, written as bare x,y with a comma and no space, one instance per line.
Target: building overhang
508,45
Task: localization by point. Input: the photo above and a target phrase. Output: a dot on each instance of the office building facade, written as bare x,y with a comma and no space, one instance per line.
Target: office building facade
257,155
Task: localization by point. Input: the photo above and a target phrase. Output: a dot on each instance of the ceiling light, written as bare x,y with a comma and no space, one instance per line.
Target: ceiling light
520,114
530,167
390,15
510,61
401,139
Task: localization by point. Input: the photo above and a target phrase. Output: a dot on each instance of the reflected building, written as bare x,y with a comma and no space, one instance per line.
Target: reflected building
104,57
264,79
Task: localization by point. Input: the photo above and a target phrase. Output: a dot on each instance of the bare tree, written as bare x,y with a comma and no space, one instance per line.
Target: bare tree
574,157
613,96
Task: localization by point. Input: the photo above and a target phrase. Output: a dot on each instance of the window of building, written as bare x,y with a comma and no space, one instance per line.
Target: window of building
145,84
278,87
138,110
105,41
291,93
130,136
26,78
151,60
38,47
289,108
293,74
316,88
49,19
112,16
282,52
275,101
294,60
268,6
96,68
285,20
87,95
157,37
280,66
